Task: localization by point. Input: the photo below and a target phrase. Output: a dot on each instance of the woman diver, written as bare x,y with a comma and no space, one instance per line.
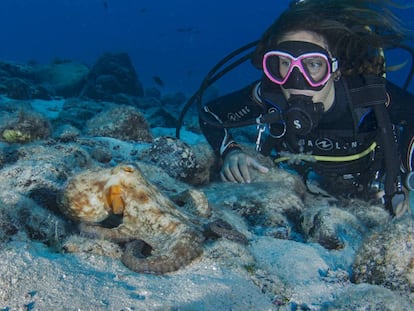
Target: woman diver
323,104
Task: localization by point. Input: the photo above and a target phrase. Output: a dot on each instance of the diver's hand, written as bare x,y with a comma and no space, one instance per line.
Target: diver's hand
403,206
399,202
236,167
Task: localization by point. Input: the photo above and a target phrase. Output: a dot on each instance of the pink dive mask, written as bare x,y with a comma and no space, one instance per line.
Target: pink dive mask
311,62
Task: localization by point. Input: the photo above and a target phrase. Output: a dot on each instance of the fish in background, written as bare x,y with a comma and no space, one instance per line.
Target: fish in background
158,81
189,29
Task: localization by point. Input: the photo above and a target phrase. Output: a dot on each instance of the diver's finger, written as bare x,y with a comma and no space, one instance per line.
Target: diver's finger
257,166
225,175
238,173
235,163
244,169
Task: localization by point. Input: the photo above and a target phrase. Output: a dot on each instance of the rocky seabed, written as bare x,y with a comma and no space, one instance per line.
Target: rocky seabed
303,251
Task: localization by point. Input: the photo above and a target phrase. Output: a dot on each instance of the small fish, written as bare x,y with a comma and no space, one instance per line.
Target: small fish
158,81
186,29
105,4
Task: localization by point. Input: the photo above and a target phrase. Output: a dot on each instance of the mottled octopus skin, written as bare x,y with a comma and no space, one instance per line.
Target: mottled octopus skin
148,215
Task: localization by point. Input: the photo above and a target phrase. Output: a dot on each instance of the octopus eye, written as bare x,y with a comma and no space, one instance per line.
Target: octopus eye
128,169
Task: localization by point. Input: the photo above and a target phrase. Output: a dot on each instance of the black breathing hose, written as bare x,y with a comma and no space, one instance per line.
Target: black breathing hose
212,77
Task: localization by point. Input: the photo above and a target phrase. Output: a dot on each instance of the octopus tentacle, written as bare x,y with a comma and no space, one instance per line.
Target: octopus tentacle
114,234
180,254
221,228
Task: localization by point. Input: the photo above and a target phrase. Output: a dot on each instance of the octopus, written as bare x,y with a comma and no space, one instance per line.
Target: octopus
160,234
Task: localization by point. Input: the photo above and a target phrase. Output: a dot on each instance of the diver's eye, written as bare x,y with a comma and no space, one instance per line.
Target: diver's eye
284,61
314,64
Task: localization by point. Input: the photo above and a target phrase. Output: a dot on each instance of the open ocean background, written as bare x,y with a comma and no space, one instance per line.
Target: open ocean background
302,249
178,41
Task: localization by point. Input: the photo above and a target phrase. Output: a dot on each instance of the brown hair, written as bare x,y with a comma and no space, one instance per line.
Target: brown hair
355,30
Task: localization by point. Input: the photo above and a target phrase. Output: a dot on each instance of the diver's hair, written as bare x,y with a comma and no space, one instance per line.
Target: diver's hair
355,31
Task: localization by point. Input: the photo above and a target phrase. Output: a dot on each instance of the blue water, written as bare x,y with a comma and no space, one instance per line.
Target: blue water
177,40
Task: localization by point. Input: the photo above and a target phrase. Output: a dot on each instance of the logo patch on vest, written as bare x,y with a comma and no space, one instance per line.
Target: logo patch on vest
324,144
236,116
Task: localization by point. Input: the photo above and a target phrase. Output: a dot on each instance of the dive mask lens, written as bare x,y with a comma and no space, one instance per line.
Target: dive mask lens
310,60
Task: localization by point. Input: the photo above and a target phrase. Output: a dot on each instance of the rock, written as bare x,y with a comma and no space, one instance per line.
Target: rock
121,122
77,111
386,257
175,100
371,215
66,78
271,204
101,154
8,227
17,88
66,133
24,219
177,159
161,179
18,70
162,118
113,73
26,126
38,172
330,226
368,297
18,81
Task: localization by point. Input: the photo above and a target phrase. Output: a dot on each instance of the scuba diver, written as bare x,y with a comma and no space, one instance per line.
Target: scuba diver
323,104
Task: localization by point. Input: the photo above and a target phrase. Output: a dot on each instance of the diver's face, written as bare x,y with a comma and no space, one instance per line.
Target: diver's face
325,95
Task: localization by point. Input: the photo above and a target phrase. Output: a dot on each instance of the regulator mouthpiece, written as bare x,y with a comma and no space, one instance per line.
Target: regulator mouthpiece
303,114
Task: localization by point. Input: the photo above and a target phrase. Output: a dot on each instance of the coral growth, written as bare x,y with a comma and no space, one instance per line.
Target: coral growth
26,127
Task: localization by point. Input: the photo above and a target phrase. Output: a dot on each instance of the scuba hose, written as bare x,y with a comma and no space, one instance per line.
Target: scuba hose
311,157
212,77
411,72
392,184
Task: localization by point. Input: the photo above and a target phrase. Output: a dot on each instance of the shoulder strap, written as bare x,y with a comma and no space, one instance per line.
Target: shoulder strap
367,90
392,185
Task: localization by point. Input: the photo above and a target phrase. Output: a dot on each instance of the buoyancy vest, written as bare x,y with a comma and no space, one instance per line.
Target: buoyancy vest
354,137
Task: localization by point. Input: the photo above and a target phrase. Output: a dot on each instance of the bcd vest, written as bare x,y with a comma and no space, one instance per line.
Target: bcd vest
351,128
356,137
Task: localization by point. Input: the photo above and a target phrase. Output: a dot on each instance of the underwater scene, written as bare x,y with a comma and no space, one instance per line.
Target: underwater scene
112,163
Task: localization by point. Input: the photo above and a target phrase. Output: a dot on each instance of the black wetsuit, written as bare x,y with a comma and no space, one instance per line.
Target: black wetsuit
347,128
